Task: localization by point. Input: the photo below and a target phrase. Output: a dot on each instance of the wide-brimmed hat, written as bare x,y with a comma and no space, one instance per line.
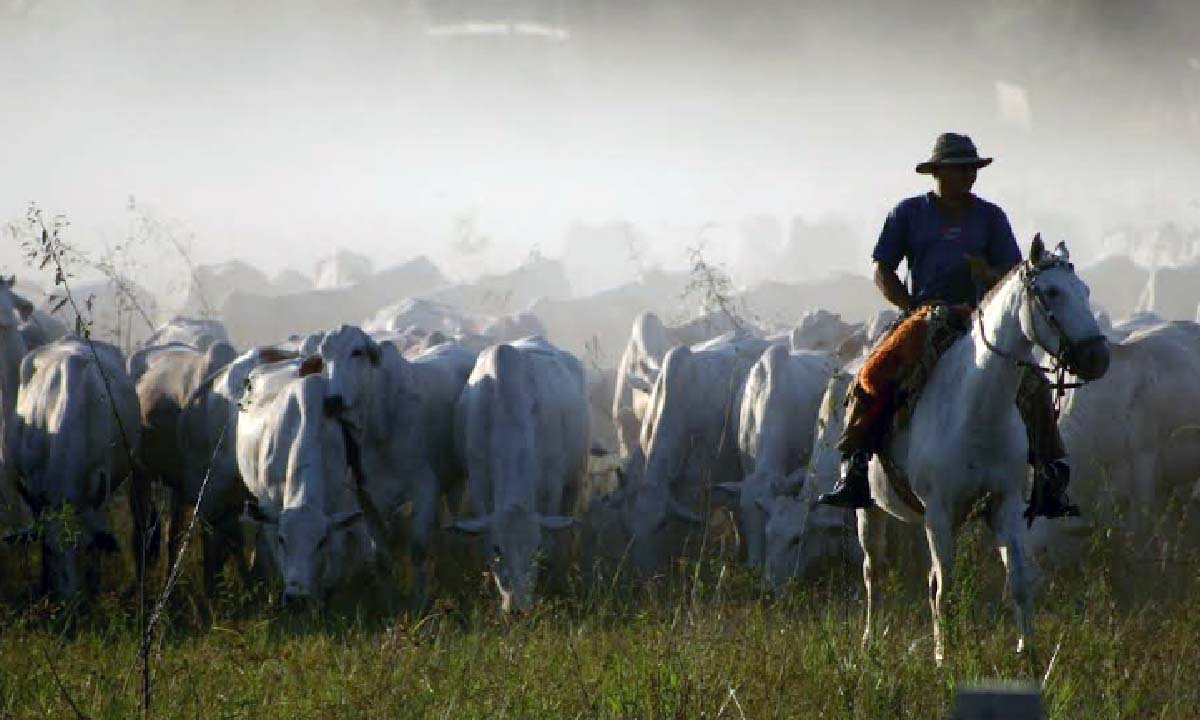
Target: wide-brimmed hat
953,149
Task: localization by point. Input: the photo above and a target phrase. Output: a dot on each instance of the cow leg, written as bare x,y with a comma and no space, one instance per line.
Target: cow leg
424,520
1006,524
871,535
939,532
219,539
1143,477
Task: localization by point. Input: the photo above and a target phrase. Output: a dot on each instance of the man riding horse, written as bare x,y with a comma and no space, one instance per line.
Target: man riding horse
956,246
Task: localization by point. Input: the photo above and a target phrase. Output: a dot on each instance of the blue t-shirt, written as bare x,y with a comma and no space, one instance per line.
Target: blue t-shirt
937,250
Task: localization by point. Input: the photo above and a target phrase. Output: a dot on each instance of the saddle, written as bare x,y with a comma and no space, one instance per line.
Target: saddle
895,375
945,324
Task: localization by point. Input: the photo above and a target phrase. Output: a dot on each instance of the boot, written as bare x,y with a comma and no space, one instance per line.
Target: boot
1049,498
852,490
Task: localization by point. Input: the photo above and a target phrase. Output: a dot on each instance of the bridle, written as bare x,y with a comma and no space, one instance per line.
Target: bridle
1058,367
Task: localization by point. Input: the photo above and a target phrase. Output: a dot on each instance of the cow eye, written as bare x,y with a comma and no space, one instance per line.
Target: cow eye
1052,293
356,352
794,541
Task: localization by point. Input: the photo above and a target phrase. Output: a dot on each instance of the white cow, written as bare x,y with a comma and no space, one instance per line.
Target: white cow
39,327
165,377
690,440
822,330
400,417
800,534
649,341
522,429
73,439
1133,436
778,414
199,333
207,442
15,311
294,460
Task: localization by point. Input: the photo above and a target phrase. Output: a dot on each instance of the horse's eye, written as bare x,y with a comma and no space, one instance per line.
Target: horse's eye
1052,293
357,352
794,542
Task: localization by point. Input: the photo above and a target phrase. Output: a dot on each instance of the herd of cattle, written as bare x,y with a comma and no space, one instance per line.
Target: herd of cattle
340,452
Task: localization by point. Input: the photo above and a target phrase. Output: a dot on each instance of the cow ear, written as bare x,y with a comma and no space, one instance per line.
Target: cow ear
312,365
469,526
253,513
342,520
24,308
1037,250
24,536
791,484
374,352
555,522
685,514
732,489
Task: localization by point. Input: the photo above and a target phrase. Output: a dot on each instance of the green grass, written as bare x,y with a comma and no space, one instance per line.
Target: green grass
703,643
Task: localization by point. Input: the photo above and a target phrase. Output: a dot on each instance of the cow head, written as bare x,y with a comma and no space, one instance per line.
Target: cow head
72,542
648,510
801,535
820,330
513,540
307,547
351,358
750,494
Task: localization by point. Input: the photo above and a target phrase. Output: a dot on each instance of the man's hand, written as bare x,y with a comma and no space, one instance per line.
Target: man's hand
889,284
982,273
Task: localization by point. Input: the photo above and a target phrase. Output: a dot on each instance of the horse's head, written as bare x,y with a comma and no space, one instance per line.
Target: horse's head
1057,315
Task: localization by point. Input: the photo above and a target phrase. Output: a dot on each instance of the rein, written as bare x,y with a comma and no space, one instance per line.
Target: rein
1058,368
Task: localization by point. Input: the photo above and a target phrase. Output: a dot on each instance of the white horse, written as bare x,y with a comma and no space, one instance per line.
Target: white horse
966,442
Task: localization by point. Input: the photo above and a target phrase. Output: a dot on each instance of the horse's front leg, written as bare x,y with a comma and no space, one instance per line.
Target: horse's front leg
1008,527
940,533
871,535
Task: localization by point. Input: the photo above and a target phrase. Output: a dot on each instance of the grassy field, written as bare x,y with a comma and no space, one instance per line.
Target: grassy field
703,642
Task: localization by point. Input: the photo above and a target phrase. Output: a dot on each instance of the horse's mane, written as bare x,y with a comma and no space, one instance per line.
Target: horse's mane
995,288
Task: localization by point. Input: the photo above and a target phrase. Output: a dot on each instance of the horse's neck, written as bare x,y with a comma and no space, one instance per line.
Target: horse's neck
988,380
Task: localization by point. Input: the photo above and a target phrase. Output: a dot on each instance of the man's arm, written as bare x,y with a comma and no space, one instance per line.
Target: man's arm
889,284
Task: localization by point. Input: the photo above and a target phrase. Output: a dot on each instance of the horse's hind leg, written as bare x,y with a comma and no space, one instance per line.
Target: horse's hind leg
871,533
1010,539
940,534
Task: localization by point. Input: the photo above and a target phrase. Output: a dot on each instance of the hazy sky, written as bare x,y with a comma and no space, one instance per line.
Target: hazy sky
277,131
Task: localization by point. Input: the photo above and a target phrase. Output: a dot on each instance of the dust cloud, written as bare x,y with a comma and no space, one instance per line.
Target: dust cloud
616,132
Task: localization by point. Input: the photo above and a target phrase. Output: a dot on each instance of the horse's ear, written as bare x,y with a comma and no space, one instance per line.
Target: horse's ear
1061,251
1037,250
